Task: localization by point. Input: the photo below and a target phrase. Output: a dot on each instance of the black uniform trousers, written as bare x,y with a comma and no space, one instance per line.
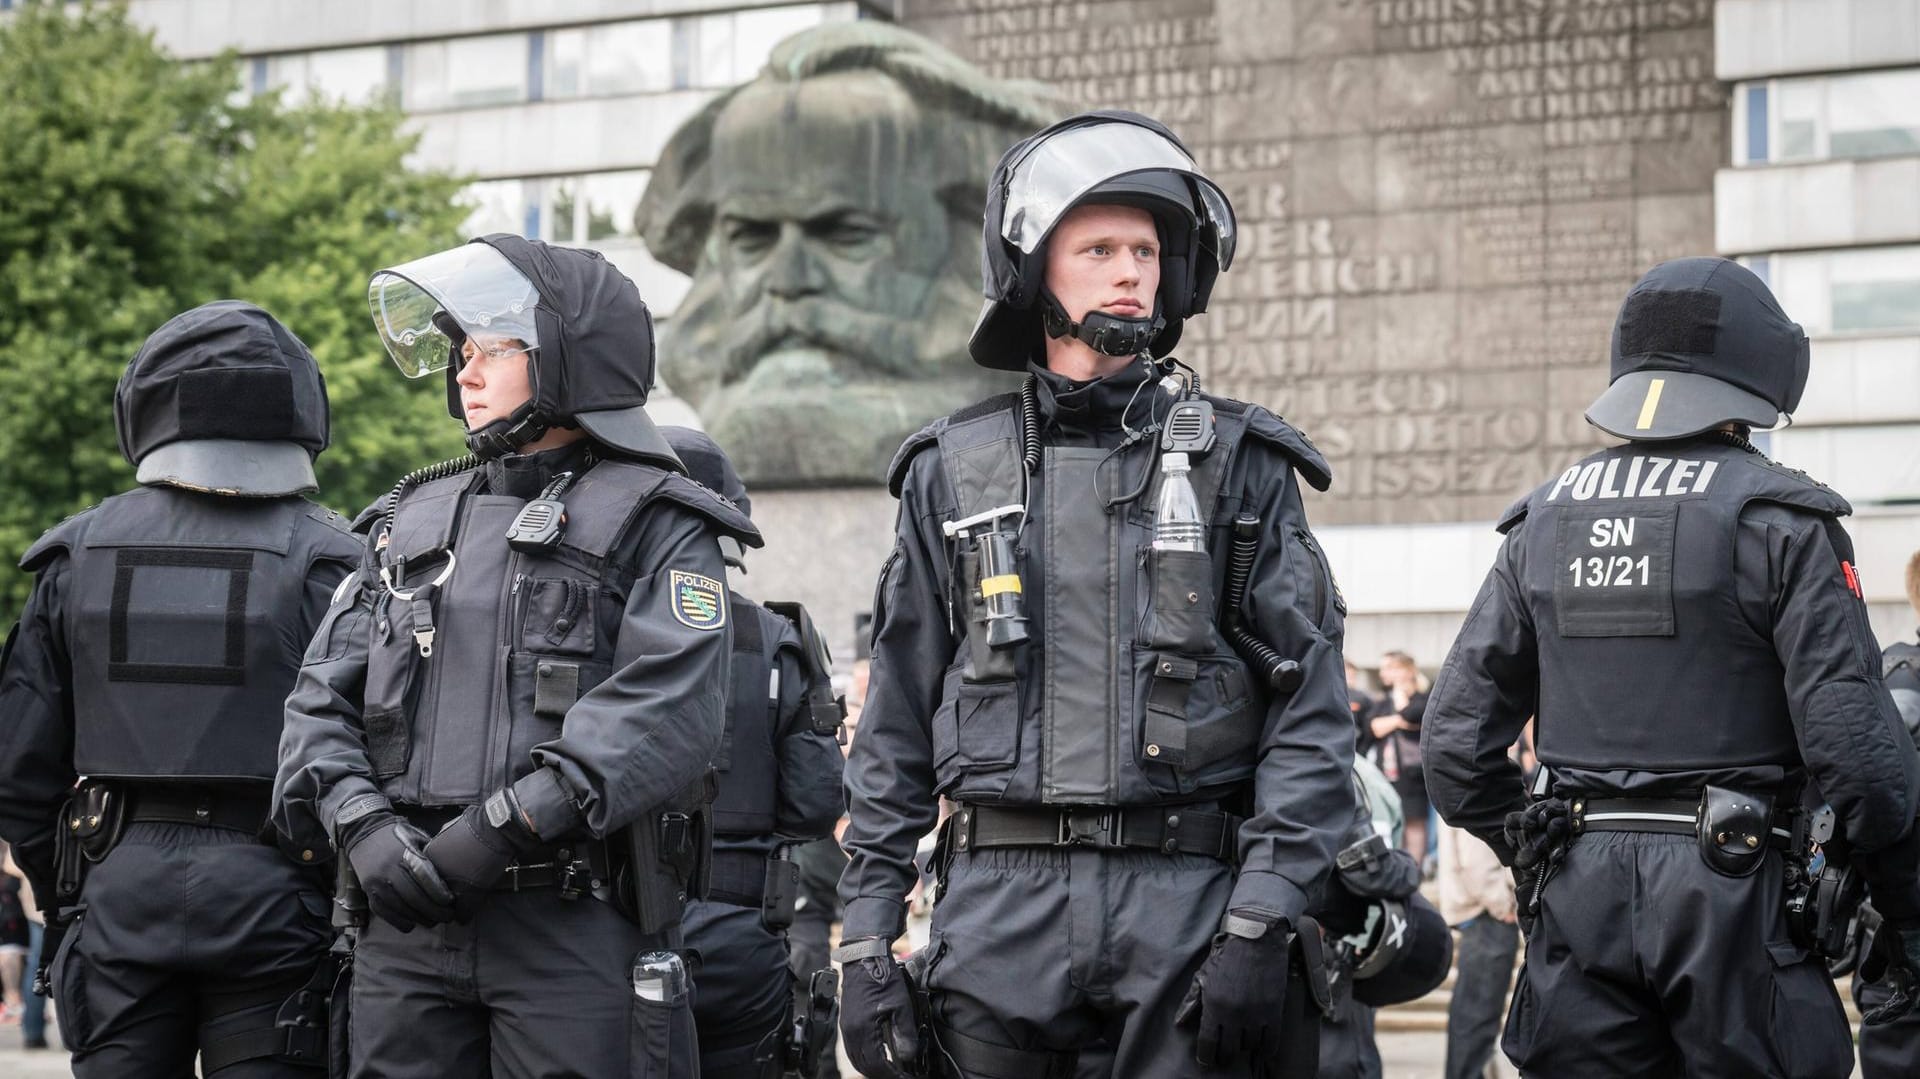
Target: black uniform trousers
1057,951
187,936
1643,961
535,987
1890,1051
743,995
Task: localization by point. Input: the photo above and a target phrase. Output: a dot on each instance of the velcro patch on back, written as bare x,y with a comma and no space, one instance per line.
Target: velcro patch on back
1683,321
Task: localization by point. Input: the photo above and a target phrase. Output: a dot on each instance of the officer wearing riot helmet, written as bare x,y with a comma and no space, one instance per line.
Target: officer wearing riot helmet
163,633
779,770
1684,616
1147,749
504,722
1891,1049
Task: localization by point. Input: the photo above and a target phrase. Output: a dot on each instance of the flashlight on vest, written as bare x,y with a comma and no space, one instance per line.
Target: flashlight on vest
997,594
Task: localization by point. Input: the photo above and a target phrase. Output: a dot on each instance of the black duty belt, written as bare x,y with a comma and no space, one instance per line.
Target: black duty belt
1668,816
739,878
1168,829
233,810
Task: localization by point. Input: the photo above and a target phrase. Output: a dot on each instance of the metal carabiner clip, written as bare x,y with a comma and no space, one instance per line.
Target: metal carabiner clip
386,578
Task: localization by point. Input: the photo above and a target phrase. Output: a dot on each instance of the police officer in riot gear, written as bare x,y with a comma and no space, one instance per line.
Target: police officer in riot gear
504,722
1684,616
163,633
780,767
1892,1049
1141,813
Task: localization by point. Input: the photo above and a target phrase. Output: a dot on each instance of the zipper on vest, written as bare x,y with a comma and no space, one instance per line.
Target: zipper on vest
500,717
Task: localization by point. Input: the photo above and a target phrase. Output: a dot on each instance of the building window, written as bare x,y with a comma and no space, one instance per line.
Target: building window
1756,125
1868,290
583,210
614,58
354,75
466,72
1829,117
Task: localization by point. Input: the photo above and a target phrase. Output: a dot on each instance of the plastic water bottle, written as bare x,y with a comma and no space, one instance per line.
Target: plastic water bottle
1176,523
660,977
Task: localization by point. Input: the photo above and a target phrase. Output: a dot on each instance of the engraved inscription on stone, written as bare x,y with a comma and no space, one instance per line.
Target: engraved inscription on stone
1442,201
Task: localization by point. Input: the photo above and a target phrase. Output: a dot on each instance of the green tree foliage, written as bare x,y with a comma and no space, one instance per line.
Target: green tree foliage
133,187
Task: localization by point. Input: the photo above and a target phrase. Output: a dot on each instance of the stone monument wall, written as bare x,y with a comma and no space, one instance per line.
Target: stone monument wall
1442,203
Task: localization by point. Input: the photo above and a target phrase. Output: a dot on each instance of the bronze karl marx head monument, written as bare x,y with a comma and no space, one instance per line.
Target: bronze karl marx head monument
829,214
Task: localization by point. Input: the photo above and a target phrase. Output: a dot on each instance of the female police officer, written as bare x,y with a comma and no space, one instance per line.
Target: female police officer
528,667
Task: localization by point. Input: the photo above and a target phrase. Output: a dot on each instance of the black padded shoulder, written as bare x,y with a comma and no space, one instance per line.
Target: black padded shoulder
363,521
58,540
1774,482
330,520
1516,513
928,435
1271,429
718,511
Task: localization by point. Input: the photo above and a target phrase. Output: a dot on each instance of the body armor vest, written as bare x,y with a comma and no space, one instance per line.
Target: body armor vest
1648,660
748,761
479,650
188,619
1900,666
1125,693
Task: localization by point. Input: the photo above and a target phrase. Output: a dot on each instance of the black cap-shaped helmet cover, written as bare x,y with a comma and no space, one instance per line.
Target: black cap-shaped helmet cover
1700,342
225,372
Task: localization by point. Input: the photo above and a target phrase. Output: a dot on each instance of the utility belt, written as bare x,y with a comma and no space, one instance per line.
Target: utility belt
93,818
769,883
1734,830
1169,829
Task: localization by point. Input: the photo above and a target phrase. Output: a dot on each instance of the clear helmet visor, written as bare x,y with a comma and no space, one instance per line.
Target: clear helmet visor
473,286
1056,173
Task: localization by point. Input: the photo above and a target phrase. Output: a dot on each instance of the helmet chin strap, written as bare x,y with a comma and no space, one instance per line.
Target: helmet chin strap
503,437
1109,335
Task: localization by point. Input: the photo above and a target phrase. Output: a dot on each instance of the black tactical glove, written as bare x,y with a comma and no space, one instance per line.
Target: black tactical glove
388,855
1236,1000
878,1027
474,850
1539,836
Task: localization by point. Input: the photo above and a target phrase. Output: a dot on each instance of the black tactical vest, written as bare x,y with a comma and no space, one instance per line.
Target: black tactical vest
1126,694
188,616
1647,658
1900,665
748,761
511,639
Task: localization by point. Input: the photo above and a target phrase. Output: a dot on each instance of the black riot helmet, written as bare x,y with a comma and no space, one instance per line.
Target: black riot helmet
1103,157
587,336
223,399
709,466
1406,954
1700,342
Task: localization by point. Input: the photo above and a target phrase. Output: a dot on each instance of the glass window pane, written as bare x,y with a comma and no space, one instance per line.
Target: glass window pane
630,58
611,198
562,206
348,74
1757,123
1800,105
756,32
425,85
713,52
1876,289
498,206
566,60
1876,114
487,70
